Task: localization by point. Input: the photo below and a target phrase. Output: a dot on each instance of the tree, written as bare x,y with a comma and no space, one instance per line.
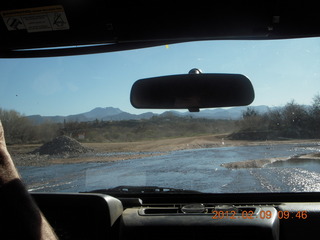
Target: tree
249,112
315,116
295,119
252,120
18,128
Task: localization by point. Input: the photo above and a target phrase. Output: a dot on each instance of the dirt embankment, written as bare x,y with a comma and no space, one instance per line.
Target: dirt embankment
164,145
247,164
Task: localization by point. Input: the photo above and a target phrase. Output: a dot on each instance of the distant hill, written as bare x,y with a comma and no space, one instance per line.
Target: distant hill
115,114
220,113
100,112
105,114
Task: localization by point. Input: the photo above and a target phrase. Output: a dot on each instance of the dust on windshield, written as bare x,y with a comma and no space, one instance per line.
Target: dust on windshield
70,127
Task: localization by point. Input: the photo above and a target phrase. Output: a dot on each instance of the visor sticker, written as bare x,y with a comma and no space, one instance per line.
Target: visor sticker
40,19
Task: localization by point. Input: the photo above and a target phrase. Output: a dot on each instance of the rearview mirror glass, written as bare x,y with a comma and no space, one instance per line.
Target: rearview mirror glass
192,91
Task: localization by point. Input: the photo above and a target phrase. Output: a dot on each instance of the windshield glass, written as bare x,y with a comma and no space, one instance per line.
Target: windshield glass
70,126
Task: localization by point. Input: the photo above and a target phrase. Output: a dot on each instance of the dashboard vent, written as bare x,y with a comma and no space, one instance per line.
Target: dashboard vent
197,208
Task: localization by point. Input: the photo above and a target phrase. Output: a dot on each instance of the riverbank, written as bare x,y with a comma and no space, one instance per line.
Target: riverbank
106,152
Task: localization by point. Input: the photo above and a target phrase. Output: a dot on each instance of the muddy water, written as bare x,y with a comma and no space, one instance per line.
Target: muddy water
198,169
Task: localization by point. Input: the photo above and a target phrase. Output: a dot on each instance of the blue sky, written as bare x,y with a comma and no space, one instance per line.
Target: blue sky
279,70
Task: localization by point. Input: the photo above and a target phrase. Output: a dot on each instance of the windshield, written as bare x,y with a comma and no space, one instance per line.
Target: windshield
70,126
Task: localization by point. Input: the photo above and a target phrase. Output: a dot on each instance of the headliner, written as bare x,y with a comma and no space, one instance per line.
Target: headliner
95,26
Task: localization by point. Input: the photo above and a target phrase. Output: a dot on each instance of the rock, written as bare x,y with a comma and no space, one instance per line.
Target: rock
62,146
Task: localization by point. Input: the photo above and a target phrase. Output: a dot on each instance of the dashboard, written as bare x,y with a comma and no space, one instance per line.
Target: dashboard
99,216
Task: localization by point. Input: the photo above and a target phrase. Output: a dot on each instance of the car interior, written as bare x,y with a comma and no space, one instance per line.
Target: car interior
99,26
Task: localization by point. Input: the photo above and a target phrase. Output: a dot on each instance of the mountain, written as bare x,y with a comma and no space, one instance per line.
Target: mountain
99,112
105,114
128,116
115,114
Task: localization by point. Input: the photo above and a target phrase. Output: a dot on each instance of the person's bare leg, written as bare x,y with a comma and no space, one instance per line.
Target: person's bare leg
20,218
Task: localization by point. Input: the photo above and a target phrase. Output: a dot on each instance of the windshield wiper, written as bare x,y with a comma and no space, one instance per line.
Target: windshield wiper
141,189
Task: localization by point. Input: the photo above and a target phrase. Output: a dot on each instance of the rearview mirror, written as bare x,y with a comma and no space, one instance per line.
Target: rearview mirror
192,91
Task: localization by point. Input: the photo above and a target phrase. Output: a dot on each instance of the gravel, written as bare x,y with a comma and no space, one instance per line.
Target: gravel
62,146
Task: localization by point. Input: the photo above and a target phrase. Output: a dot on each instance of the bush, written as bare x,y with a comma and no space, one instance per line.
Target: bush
291,121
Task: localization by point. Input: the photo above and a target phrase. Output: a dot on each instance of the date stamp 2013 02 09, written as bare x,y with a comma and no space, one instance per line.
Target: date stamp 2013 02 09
260,215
